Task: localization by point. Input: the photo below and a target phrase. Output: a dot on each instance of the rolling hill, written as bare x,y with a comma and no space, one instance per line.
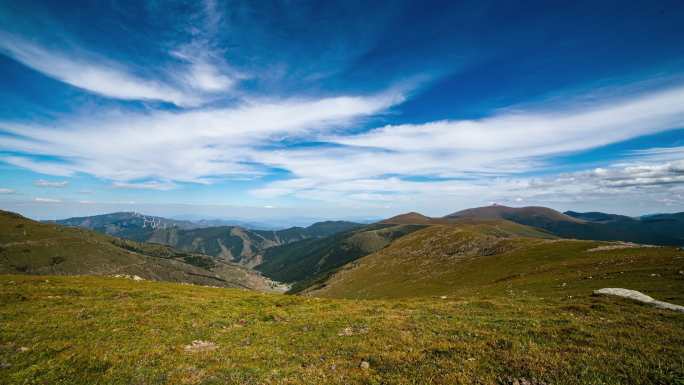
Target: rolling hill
532,216
500,258
227,243
659,229
311,260
30,247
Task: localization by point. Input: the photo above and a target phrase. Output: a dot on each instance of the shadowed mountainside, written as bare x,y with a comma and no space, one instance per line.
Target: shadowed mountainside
311,260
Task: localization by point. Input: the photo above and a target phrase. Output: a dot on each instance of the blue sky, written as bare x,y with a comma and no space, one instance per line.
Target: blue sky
340,109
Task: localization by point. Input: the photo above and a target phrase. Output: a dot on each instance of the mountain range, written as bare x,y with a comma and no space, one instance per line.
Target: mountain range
30,247
227,243
658,229
323,258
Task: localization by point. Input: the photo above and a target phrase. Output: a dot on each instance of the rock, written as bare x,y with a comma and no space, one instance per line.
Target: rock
24,349
353,330
200,346
364,365
521,381
443,297
640,297
127,276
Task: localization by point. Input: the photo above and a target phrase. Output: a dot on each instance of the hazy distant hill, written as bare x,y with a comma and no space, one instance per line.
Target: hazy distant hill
229,243
129,225
661,229
533,216
30,247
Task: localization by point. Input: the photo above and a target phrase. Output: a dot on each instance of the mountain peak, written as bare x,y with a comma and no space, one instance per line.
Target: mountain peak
497,211
410,218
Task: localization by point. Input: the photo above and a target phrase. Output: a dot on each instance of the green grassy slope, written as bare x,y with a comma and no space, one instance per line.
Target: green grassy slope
475,260
312,259
31,247
96,330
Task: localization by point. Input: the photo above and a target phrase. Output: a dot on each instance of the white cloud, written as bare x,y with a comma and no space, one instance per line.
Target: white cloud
7,191
484,153
203,74
642,187
493,143
192,146
45,183
92,73
160,186
46,200
43,167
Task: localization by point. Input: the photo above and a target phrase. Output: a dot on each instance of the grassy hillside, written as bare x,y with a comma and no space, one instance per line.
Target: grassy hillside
483,260
95,330
313,259
31,247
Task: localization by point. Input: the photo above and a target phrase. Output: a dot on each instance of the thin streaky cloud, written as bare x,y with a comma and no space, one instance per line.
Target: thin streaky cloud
96,75
46,183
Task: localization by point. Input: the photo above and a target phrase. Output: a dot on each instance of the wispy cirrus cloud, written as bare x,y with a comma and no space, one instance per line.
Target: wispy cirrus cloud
181,146
504,144
93,73
47,200
149,185
7,191
46,183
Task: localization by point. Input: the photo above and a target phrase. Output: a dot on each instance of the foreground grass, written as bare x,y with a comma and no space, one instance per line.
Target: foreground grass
94,330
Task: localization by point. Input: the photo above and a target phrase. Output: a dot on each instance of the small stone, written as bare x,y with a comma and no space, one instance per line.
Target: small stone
443,297
200,346
681,272
364,365
24,349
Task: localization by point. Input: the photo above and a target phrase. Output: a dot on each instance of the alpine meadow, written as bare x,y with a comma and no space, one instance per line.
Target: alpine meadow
341,192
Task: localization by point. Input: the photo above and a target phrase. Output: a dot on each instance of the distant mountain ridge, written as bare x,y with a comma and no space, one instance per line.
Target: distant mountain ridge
228,243
30,247
658,229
